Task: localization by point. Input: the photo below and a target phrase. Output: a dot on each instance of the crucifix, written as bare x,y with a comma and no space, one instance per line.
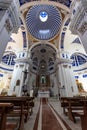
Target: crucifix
24,87
25,74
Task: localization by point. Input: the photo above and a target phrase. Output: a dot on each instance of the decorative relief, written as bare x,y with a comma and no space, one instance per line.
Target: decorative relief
8,25
83,28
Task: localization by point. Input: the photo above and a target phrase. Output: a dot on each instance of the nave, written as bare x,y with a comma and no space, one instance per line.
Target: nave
48,115
43,53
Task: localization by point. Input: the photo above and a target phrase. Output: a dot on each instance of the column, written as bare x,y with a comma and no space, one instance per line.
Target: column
19,78
9,23
67,82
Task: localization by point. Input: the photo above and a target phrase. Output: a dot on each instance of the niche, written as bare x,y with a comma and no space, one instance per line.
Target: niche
43,79
18,82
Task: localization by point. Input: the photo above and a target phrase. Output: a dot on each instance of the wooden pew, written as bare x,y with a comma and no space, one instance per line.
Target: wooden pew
31,104
83,115
20,103
6,108
72,105
64,104
28,107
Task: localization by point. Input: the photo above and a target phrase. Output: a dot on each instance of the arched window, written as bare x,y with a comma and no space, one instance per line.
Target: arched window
9,59
43,79
78,59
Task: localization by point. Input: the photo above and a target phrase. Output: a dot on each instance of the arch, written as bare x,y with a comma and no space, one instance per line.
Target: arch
57,4
43,79
43,52
45,43
78,59
9,58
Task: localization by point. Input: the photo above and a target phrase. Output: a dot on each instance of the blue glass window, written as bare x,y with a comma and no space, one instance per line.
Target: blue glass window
78,59
77,41
23,54
9,59
62,39
81,60
24,39
67,22
1,75
76,77
85,76
63,55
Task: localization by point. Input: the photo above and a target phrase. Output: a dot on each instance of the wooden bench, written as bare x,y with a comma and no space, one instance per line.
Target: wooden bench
83,115
6,108
71,105
20,109
31,104
67,102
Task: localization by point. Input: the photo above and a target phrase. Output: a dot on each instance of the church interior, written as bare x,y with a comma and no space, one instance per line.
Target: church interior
43,67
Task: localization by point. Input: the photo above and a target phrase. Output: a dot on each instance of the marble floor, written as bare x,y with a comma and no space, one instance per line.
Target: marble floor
41,111
56,105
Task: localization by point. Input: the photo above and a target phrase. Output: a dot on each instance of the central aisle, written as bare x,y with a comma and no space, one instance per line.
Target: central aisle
47,119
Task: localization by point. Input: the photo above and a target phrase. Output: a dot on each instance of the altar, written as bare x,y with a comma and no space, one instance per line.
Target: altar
43,94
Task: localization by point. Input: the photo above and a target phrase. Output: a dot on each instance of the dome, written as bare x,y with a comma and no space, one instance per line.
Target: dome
43,21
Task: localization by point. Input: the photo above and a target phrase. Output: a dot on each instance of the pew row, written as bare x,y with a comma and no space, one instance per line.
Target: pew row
21,109
6,108
75,107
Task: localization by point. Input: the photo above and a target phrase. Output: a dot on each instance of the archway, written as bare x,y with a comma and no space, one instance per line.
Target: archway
44,60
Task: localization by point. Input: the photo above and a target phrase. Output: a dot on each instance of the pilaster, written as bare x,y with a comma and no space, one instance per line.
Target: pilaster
20,74
9,22
66,81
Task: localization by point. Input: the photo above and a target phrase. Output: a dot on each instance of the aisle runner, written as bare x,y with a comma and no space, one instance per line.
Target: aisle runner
47,119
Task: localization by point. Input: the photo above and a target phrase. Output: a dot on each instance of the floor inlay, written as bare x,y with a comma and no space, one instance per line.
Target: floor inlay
47,118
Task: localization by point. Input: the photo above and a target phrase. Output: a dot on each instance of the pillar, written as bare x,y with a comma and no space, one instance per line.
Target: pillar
19,76
67,84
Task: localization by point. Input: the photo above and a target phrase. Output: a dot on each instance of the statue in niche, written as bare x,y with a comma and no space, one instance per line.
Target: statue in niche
43,80
83,28
8,25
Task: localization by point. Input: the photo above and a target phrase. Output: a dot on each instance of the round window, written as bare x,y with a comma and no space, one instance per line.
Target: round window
43,16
